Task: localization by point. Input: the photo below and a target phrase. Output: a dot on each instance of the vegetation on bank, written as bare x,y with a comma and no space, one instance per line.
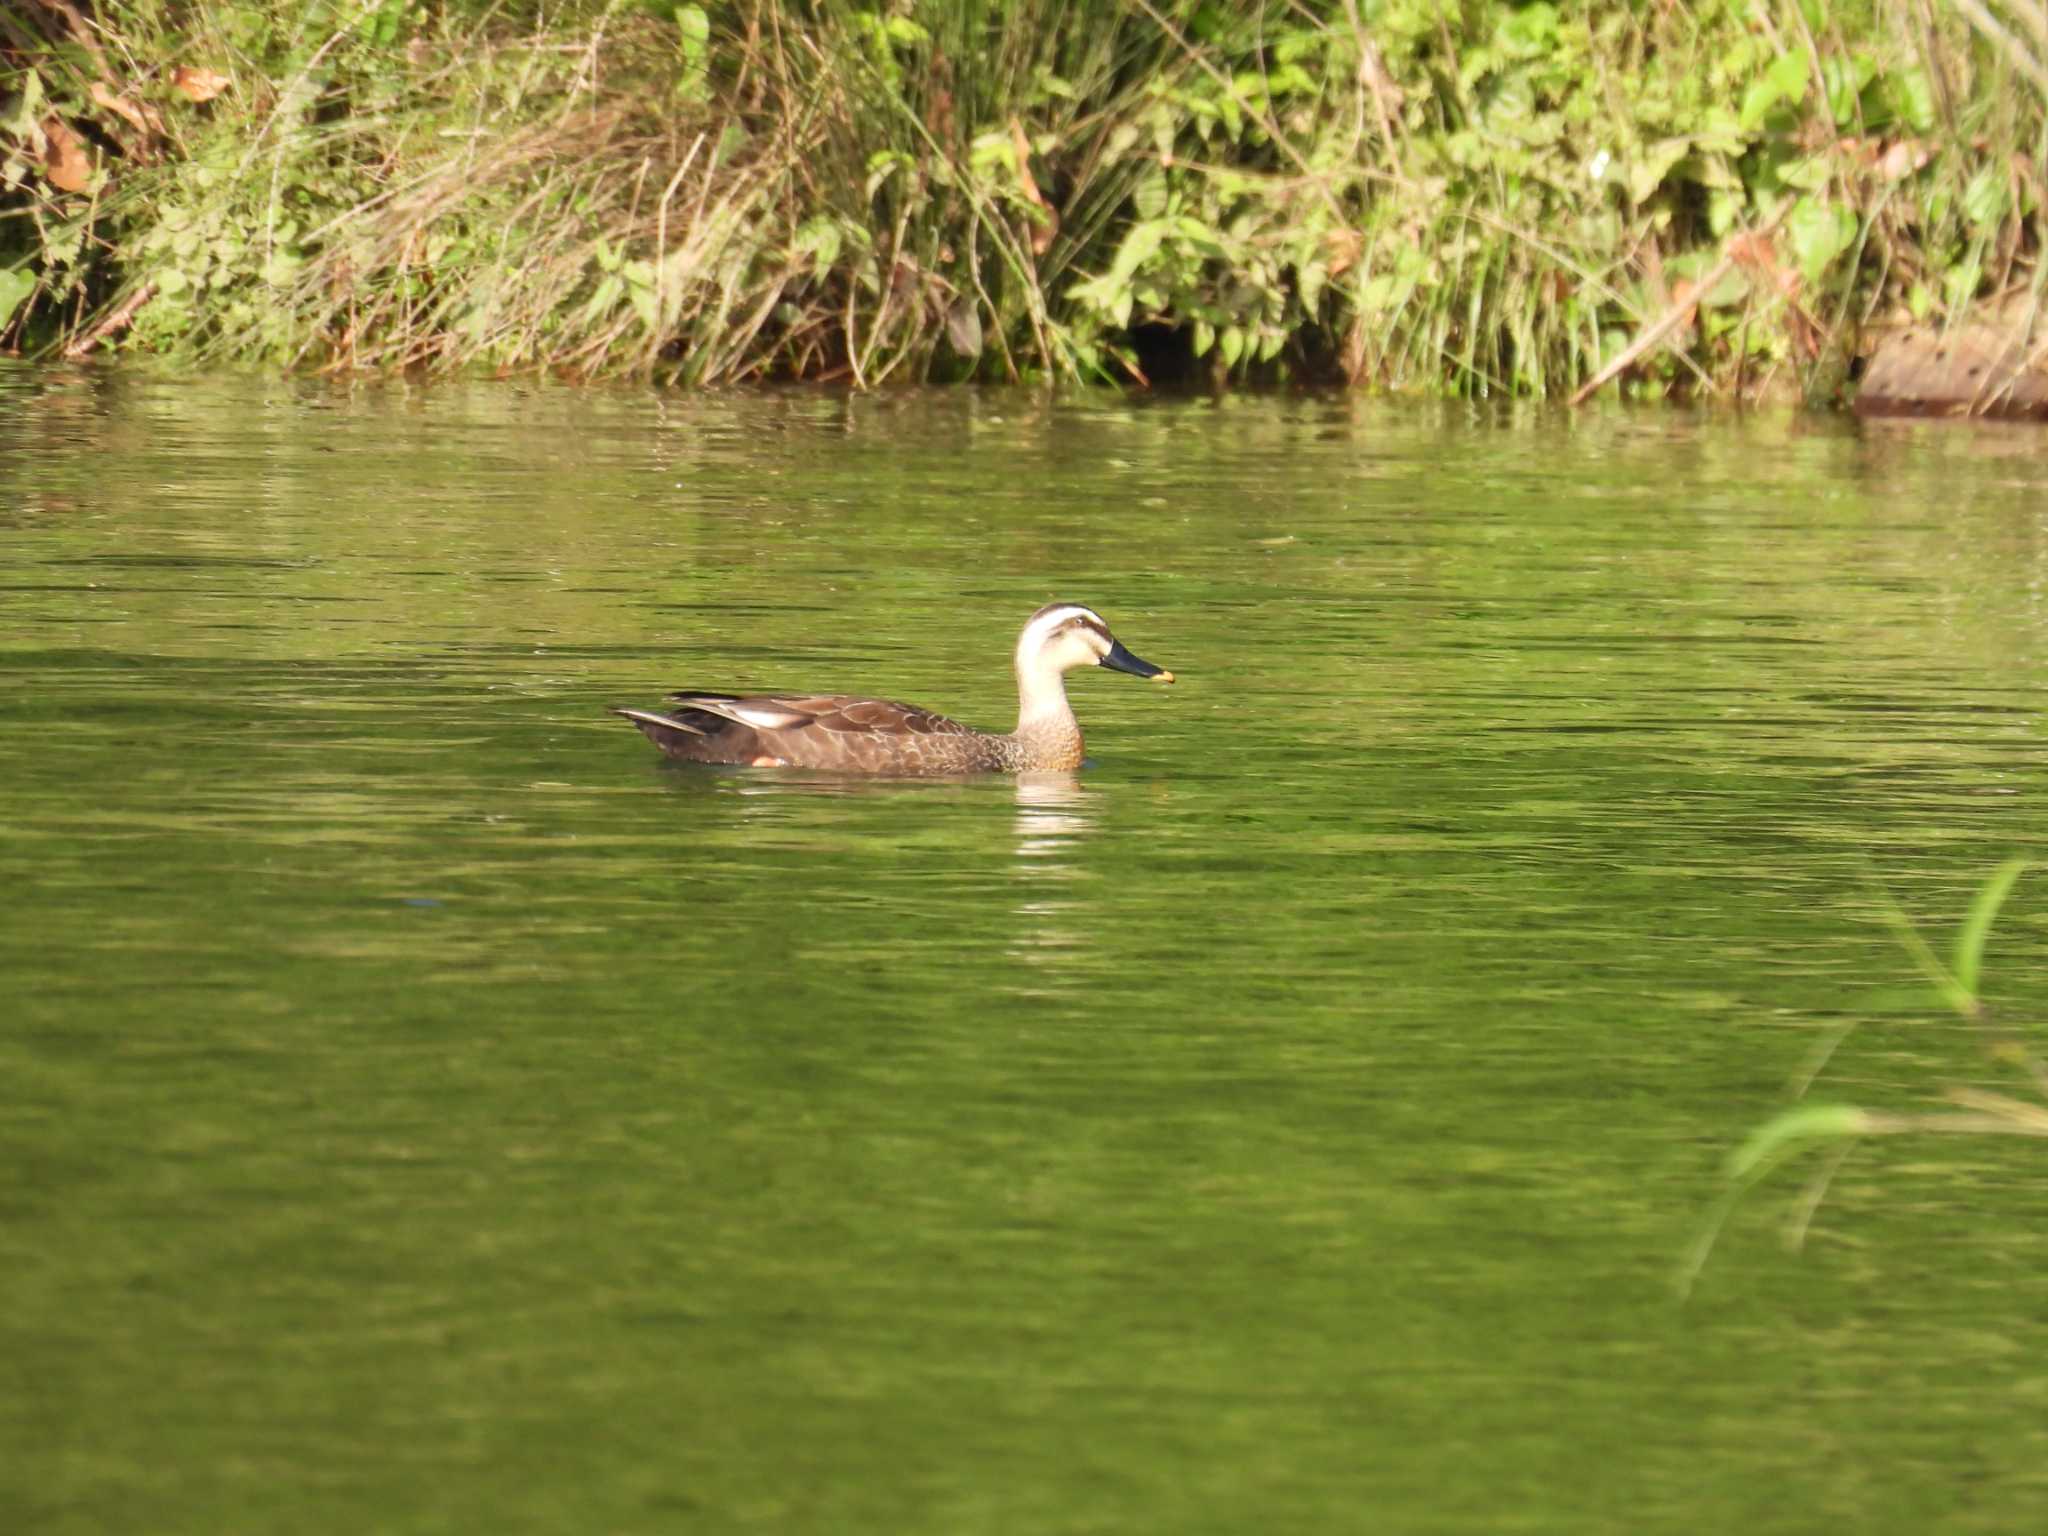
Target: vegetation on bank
1468,195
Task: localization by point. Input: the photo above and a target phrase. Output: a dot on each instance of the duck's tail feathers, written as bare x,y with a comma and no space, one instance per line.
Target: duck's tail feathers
651,722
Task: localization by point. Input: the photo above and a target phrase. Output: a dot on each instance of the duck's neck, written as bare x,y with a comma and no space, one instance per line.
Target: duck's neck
1046,728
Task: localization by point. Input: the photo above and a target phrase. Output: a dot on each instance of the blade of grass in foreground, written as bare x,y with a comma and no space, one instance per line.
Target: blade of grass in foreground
1976,929
1981,1111
1780,1135
1952,992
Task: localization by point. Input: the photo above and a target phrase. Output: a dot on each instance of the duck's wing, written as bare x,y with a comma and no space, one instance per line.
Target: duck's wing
759,711
839,713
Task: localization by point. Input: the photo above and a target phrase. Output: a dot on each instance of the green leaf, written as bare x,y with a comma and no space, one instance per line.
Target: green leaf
1139,246
1148,197
1960,283
1808,175
1732,287
693,30
694,25
1740,57
1388,290
1976,929
608,293
1712,170
1298,43
1311,277
988,152
884,163
1091,291
820,239
1233,118
1912,98
1194,235
1647,170
20,120
1788,72
1529,29
1818,232
1778,1137
1231,344
732,139
1726,207
1291,80
1845,79
640,294
1757,102
15,286
1783,83
1984,199
1951,992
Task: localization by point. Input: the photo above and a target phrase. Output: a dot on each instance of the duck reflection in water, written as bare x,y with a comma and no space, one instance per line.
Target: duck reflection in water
1054,815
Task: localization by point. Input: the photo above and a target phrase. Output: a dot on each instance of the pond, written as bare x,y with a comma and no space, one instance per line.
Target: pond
423,1108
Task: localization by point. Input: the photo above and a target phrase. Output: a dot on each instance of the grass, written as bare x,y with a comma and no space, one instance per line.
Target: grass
1836,1129
1529,199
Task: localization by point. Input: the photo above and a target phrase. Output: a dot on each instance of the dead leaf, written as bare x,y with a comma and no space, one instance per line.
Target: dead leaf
1757,251
1752,250
938,117
67,163
138,117
198,84
1342,248
1685,298
1902,158
1042,231
1374,75
963,329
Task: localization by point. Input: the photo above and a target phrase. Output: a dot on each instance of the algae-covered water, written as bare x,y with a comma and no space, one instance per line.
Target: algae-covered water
421,1109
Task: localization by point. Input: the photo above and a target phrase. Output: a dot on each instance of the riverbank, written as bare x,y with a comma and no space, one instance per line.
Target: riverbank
1541,199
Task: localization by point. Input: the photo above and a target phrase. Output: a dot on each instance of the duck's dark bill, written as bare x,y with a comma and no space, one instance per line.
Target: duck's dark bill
1137,666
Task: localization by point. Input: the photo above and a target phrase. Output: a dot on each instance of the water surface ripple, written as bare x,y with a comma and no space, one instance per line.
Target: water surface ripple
421,1109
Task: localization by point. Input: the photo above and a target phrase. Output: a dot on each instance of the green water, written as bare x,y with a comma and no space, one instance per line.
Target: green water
422,1110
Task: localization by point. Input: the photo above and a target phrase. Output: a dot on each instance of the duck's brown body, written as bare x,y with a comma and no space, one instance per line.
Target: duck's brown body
847,733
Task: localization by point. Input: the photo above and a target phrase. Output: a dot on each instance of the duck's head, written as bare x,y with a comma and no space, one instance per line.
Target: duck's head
1062,636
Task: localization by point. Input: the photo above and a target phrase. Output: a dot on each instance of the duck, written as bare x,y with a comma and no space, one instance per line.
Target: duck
849,733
